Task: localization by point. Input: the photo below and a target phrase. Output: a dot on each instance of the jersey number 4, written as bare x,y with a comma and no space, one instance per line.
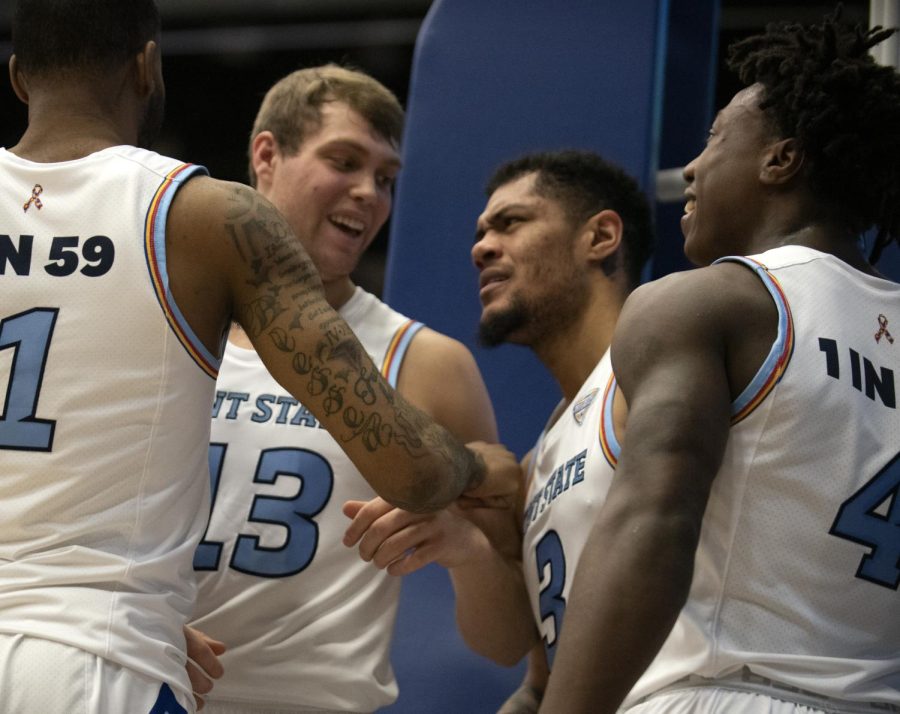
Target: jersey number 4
293,514
871,517
28,333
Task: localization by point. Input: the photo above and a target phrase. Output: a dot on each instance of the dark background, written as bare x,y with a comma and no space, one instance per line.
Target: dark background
220,56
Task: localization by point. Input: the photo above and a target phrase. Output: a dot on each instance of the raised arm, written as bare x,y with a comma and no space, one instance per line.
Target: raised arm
231,254
670,358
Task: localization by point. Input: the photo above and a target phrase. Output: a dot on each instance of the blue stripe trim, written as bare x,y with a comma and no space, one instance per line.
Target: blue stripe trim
609,427
159,246
400,353
765,371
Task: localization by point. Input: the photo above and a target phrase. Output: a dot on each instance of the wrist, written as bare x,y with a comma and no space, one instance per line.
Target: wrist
477,473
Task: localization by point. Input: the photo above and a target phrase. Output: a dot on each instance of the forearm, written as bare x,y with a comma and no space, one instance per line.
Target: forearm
492,609
527,698
623,604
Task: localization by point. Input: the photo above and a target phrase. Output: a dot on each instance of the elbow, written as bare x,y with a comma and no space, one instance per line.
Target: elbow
507,647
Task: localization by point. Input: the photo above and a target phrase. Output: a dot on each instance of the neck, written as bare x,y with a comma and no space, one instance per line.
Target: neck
69,120
821,236
338,292
798,218
572,353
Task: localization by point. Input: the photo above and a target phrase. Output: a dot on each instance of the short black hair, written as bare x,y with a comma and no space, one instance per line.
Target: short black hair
822,87
585,184
58,36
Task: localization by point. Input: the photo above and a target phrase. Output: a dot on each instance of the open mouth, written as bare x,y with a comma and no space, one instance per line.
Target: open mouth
490,281
690,205
351,226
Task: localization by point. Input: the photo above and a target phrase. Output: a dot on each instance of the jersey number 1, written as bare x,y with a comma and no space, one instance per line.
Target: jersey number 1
29,334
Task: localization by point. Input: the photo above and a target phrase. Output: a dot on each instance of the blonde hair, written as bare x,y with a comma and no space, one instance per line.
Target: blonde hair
292,108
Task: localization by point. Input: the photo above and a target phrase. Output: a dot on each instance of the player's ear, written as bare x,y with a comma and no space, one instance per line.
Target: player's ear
264,154
148,64
18,81
602,235
783,161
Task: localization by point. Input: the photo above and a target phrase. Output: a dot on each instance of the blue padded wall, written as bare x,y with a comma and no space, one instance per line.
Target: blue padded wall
490,81
493,79
688,97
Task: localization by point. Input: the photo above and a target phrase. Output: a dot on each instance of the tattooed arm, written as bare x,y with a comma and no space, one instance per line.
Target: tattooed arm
232,255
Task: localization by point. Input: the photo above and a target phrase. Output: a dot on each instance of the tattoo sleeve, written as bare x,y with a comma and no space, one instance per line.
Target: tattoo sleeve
323,365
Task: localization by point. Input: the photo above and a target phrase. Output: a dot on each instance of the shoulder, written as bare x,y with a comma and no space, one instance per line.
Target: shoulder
434,359
720,315
203,193
703,303
206,210
440,376
430,347
705,291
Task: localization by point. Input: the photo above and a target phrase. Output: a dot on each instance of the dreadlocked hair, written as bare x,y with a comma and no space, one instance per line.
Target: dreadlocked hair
822,88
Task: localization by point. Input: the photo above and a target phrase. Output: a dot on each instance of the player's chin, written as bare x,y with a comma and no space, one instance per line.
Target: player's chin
697,253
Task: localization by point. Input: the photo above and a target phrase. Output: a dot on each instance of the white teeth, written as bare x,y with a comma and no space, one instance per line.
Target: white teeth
347,222
690,205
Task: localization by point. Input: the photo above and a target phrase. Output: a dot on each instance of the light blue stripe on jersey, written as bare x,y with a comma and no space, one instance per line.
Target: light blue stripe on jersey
400,353
775,359
608,429
159,248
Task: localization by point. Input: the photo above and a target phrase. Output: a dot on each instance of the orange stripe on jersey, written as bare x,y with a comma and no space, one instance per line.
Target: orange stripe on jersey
608,441
393,357
171,312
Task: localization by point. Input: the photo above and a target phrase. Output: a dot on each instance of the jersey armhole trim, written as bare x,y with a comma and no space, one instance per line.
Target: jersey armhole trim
155,250
608,441
776,362
396,351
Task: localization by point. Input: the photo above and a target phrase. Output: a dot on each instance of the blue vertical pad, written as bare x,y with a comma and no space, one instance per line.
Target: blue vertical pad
491,80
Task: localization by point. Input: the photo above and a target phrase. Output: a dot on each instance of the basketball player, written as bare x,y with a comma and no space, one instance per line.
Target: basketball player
748,554
121,271
559,245
307,623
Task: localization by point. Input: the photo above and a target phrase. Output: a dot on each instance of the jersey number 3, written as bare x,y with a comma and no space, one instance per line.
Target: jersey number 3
550,555
871,517
293,514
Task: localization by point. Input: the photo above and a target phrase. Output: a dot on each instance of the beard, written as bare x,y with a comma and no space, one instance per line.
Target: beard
534,321
496,329
148,132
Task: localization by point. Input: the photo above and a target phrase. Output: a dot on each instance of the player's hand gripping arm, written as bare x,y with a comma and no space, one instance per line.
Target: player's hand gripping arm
635,571
219,230
484,562
449,537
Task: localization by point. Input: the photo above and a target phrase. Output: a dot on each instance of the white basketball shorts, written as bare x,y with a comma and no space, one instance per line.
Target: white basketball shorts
38,675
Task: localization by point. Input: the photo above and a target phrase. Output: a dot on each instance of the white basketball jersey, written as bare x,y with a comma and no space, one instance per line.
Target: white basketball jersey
308,623
106,394
572,468
798,565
